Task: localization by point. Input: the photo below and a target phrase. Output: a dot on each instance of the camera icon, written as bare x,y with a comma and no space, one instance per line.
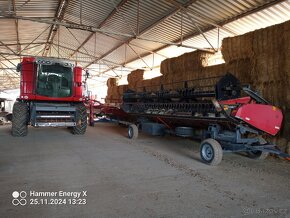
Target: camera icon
19,198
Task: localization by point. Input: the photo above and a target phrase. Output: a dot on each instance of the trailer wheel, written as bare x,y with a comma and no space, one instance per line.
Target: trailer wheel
20,119
81,120
132,131
211,152
258,155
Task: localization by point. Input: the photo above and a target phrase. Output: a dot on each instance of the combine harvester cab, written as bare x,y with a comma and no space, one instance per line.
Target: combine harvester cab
229,121
50,95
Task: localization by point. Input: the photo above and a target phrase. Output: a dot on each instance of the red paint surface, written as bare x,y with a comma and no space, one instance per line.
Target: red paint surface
264,117
28,83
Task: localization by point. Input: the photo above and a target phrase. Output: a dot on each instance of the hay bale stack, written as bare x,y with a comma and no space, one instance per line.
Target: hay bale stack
112,82
212,71
270,63
192,61
138,86
134,77
183,68
155,84
268,39
143,85
264,63
122,89
254,43
167,81
147,84
261,59
112,95
114,92
239,47
242,69
286,46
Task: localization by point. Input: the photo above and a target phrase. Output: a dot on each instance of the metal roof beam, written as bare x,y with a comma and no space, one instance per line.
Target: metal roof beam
89,56
113,12
25,43
212,28
94,29
171,13
204,18
16,28
53,29
3,44
272,3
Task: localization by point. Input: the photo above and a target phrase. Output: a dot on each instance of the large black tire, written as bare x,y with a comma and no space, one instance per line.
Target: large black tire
211,152
20,117
133,131
81,120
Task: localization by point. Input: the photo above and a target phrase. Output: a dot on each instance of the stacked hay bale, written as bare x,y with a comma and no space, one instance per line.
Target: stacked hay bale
134,78
260,58
121,90
141,84
112,92
183,68
207,72
115,92
155,84
150,85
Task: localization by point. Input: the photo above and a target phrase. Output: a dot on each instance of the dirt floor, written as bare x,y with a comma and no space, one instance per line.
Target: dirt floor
149,177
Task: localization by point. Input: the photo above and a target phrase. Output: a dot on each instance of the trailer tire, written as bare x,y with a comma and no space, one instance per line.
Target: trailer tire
258,155
133,131
81,120
211,152
20,119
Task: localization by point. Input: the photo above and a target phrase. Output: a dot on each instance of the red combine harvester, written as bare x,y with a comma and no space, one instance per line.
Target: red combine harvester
226,120
50,95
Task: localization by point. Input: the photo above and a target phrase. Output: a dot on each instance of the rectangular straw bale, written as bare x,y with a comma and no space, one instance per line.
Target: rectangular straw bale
187,62
286,39
156,83
214,70
167,81
242,69
139,86
111,82
122,89
135,75
132,85
238,47
269,67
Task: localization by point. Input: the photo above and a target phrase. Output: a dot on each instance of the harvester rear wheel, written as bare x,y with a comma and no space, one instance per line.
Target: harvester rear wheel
133,131
20,119
81,120
211,152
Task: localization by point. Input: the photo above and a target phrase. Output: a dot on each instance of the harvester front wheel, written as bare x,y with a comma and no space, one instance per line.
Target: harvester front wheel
20,119
211,152
132,131
81,120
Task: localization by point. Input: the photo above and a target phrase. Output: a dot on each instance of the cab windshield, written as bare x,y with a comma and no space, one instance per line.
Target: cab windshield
54,80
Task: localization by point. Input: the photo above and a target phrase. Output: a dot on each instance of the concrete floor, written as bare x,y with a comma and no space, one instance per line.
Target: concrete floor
149,177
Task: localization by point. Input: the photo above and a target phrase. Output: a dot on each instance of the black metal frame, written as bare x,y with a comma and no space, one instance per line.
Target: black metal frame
234,141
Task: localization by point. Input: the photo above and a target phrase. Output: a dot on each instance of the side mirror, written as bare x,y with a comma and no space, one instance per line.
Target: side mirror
19,67
87,74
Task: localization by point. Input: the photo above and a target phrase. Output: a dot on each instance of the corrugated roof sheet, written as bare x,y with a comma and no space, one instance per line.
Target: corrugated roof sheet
158,21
